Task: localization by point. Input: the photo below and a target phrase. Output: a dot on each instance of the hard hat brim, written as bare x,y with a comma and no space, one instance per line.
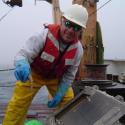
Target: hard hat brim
72,20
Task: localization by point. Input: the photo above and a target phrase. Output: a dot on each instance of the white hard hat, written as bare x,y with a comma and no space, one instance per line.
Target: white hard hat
77,14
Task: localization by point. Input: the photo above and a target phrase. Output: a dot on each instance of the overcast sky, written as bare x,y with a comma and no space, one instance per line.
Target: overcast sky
22,22
112,20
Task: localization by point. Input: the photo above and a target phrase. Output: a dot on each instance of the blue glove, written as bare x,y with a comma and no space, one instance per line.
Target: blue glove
22,70
63,87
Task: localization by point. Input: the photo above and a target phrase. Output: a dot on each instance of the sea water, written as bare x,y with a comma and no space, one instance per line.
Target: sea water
7,83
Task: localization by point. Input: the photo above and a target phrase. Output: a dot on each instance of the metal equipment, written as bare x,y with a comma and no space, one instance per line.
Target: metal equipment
89,107
13,3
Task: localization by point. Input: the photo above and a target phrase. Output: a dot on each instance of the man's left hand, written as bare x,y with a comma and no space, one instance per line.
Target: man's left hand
61,91
54,102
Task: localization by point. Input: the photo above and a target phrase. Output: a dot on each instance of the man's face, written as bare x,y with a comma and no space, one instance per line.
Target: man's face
69,31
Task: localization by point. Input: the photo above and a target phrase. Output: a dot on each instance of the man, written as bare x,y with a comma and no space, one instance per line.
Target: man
52,59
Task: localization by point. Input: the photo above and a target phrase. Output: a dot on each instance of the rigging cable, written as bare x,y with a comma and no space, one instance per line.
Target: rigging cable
6,14
100,7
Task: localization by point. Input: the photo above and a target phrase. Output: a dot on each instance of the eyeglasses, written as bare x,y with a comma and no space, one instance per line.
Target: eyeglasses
76,28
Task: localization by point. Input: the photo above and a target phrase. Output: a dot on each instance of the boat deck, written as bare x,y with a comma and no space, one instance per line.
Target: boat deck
38,108
36,111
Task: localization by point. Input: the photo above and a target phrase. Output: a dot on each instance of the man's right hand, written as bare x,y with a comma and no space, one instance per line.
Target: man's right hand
22,70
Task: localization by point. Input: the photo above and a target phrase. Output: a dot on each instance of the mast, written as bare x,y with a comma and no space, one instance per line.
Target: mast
56,11
88,38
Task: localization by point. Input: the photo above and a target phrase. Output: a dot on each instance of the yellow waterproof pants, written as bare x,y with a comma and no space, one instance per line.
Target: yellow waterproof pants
23,96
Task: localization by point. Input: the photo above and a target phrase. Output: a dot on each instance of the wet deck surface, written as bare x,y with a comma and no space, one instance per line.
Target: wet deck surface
38,109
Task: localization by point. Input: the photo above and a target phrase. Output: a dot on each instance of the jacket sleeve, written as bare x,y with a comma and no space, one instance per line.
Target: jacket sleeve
32,47
69,75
